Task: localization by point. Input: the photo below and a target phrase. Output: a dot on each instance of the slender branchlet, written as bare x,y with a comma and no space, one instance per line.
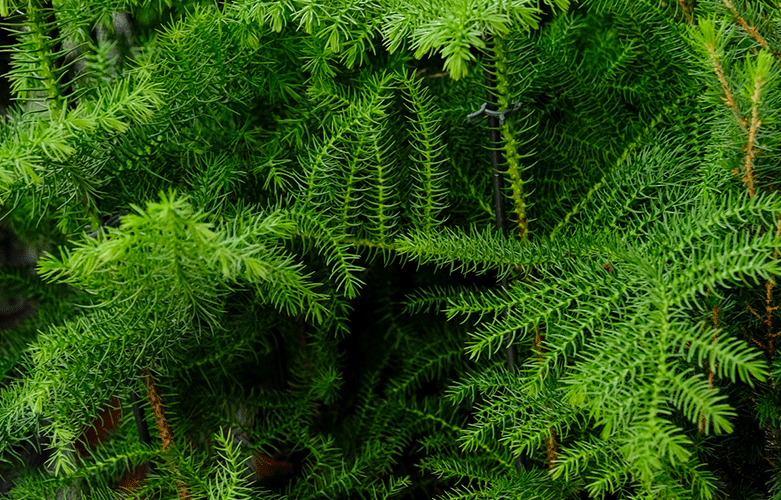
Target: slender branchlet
163,426
42,69
750,126
767,318
751,150
492,102
512,162
711,373
687,10
751,30
511,155
729,99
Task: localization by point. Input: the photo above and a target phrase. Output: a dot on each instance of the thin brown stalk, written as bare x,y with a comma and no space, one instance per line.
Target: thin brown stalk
767,318
711,373
687,10
770,309
729,99
166,433
751,128
551,442
748,173
552,448
751,30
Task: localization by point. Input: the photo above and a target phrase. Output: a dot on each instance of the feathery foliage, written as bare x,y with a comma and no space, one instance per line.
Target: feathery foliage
269,264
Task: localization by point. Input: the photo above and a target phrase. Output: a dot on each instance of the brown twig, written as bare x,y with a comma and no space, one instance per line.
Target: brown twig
711,373
686,10
552,441
770,309
748,176
421,73
729,99
552,447
753,126
166,434
751,30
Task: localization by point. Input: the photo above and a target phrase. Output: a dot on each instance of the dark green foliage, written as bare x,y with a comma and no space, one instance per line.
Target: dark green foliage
301,280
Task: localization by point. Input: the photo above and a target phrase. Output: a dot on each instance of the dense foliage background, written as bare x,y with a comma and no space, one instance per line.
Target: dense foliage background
390,248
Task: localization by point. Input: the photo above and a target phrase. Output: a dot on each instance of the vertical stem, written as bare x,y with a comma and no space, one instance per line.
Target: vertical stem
512,159
497,160
42,70
711,373
498,92
141,428
166,434
499,213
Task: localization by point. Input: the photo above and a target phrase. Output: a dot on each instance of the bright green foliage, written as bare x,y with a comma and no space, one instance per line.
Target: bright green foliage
305,276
